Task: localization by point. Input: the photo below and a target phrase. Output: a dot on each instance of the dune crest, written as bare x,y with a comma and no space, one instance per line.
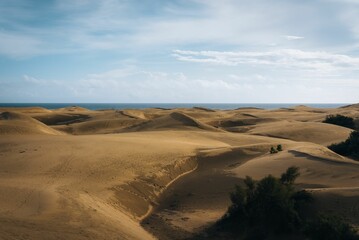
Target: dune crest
204,109
71,109
137,114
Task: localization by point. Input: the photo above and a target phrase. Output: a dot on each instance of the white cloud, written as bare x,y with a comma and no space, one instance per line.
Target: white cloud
291,37
136,85
319,61
220,22
41,82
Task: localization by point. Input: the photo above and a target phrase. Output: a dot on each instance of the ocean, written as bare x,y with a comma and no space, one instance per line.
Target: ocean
223,106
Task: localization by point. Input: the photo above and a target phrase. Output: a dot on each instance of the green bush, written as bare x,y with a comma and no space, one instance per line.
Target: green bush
340,120
273,209
265,208
279,148
349,147
273,150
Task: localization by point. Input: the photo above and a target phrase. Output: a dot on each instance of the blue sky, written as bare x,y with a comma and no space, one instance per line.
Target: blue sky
228,51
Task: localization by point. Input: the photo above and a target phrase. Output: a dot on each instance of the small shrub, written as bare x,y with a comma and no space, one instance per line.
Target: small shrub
290,175
273,150
279,148
340,120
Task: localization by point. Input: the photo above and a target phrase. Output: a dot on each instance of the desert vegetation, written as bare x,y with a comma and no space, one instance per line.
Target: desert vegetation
273,150
329,227
340,120
273,208
349,147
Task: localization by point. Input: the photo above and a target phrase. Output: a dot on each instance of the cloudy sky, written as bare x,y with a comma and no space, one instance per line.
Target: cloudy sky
202,51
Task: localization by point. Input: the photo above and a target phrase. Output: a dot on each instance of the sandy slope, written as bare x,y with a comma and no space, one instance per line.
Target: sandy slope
315,132
201,198
63,184
20,124
157,173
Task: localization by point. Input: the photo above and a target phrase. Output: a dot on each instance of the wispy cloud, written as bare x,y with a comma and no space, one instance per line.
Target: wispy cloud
41,82
324,62
291,37
134,85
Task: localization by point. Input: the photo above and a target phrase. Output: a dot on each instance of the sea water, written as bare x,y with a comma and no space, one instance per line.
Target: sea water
223,106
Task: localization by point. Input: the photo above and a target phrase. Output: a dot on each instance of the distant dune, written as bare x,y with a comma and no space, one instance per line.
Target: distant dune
74,173
134,114
351,106
27,110
315,132
72,109
172,121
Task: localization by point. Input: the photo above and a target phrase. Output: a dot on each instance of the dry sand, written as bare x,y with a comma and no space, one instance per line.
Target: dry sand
74,173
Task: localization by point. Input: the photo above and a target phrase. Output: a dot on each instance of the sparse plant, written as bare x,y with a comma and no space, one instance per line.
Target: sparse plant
273,150
290,176
279,148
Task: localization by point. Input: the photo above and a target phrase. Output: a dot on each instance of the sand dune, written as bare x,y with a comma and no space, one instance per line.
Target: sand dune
60,118
241,124
101,126
71,109
82,182
17,123
173,121
351,106
89,122
204,109
315,132
157,173
134,114
319,166
189,205
27,110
